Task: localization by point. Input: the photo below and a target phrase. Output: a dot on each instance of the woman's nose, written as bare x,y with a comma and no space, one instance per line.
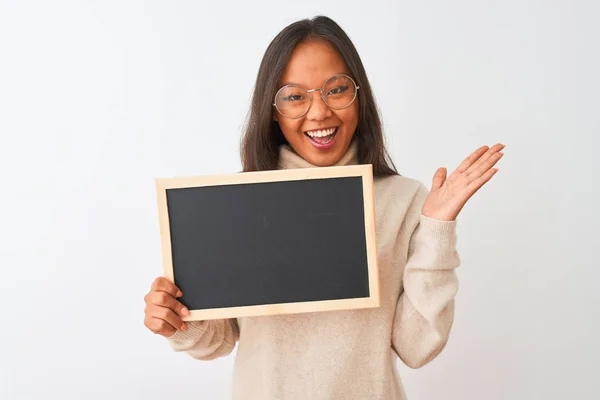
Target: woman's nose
318,108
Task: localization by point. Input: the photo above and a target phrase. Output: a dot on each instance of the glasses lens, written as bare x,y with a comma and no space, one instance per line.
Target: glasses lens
292,101
339,91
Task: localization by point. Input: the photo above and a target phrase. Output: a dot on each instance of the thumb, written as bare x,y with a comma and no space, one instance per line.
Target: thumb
439,178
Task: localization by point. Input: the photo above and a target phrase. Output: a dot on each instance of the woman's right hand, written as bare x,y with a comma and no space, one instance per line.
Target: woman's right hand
163,310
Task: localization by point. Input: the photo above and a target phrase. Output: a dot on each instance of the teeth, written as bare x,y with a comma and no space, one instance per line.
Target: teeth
321,133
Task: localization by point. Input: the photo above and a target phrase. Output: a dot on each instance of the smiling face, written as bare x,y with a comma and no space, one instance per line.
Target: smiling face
322,135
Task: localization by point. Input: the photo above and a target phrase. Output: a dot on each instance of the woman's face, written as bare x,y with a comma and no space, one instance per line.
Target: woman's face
322,135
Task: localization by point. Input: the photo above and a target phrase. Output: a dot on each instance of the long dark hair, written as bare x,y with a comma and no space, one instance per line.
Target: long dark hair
262,137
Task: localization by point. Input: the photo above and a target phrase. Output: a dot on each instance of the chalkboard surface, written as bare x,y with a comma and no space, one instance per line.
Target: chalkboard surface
273,242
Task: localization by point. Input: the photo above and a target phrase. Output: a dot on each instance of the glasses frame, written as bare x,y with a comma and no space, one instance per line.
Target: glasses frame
321,90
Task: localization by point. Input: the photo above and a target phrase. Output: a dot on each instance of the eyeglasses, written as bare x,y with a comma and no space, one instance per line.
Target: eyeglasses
338,92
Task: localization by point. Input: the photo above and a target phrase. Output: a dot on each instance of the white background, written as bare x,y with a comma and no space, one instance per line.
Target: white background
99,98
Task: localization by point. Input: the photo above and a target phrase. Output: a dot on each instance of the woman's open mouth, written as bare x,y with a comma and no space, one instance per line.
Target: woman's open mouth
322,138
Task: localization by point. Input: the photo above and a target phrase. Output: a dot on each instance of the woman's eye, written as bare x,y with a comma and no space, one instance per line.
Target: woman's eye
337,90
295,97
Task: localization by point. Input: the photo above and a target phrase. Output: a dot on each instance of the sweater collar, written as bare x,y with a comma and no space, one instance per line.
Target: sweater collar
289,159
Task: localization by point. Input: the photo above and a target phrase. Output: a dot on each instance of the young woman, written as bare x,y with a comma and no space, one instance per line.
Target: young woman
313,106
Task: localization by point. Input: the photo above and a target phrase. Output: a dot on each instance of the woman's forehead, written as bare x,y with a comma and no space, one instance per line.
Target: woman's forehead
311,63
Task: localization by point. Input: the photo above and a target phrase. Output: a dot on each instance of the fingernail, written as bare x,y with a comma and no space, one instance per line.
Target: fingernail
185,311
184,327
179,294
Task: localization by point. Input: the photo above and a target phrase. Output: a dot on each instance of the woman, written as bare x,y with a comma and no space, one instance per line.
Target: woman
313,106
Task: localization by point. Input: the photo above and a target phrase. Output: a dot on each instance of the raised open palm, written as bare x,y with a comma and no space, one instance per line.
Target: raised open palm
449,194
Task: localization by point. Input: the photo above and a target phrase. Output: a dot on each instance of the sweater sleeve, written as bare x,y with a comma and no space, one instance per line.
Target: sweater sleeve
425,309
206,340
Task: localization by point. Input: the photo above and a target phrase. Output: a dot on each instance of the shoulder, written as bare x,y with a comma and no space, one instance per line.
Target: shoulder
399,198
399,186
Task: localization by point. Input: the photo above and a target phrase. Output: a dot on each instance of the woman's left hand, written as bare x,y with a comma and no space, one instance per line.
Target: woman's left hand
449,194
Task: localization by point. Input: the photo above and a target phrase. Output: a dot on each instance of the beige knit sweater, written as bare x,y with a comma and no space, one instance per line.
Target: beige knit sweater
347,355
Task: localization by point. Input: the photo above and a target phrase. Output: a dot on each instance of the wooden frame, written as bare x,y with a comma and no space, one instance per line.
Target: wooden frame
363,171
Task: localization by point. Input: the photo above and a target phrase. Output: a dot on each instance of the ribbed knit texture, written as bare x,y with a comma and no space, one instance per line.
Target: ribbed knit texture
351,354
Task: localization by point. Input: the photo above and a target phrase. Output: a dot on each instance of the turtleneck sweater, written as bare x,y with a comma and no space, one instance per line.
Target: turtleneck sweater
349,354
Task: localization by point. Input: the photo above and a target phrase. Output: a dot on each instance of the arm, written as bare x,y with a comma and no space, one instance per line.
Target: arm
425,309
206,340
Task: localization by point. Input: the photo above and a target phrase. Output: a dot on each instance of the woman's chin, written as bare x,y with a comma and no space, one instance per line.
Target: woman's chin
324,155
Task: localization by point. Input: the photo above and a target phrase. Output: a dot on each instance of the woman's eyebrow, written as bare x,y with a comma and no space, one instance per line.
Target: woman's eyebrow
289,83
297,84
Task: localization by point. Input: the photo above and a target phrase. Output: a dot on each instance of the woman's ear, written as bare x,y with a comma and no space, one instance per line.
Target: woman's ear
274,116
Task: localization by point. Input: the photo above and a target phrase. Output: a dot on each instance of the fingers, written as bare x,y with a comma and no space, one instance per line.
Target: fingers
167,315
164,299
467,162
162,284
159,326
482,180
439,178
489,158
484,165
478,156
163,313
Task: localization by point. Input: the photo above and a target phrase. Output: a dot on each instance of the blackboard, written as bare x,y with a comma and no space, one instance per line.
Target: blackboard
273,242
